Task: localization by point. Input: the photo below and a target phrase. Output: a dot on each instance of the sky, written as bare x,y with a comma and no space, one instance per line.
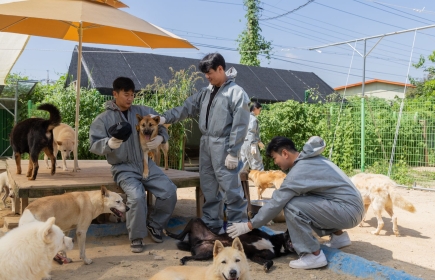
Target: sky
214,26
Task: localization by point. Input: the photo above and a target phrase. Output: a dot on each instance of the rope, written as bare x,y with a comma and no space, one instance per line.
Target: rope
401,109
342,101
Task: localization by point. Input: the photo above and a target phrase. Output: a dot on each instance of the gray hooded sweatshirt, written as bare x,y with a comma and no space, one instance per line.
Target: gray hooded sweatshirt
313,175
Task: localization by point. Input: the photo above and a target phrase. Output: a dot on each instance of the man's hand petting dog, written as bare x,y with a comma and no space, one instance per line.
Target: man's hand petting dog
114,143
231,162
155,143
238,229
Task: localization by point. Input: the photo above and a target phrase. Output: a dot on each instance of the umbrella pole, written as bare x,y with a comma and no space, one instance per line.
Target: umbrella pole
79,75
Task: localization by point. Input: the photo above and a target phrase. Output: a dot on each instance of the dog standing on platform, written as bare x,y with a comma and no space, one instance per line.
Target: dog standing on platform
266,179
33,136
63,141
75,210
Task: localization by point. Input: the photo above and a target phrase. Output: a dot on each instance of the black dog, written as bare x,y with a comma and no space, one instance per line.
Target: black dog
201,242
33,136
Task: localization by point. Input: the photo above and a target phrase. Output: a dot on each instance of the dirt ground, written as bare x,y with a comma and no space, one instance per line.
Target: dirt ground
412,252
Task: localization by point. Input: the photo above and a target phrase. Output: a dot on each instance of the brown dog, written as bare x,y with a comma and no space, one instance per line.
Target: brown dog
148,129
164,147
33,136
378,190
266,179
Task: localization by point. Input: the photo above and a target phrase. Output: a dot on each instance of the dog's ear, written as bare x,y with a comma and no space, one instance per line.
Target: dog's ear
138,117
103,191
47,229
157,119
59,143
218,247
238,245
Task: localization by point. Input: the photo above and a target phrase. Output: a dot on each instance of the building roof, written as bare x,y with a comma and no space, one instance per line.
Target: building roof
374,81
102,66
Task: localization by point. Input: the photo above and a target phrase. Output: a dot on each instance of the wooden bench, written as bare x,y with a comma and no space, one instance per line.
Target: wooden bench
93,175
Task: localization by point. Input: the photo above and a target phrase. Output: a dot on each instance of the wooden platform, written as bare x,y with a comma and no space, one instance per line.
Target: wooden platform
93,175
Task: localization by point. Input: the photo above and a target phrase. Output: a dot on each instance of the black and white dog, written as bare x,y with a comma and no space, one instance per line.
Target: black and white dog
259,246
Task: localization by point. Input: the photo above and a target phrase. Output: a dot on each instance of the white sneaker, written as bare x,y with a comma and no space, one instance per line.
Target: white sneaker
309,261
338,241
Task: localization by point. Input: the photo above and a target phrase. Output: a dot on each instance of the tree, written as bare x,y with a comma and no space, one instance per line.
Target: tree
426,86
251,43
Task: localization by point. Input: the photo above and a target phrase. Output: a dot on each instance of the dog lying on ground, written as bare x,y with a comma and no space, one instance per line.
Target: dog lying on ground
259,246
148,129
63,141
266,179
75,210
4,187
27,252
229,263
378,190
33,136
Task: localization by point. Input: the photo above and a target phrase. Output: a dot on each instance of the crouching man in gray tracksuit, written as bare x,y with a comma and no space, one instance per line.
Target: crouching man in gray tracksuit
126,158
315,195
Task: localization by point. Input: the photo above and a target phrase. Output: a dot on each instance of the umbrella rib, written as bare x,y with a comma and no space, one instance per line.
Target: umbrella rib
87,27
14,23
141,39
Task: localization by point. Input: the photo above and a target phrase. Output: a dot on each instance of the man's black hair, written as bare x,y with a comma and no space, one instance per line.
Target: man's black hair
279,143
211,61
255,105
123,83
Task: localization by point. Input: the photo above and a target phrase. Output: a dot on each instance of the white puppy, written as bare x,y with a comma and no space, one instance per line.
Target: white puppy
63,141
27,252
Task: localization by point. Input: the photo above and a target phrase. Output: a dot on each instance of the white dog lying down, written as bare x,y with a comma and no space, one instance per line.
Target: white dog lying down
75,210
27,252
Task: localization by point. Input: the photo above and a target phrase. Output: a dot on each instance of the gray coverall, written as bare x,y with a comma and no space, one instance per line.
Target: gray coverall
127,169
253,137
224,134
315,195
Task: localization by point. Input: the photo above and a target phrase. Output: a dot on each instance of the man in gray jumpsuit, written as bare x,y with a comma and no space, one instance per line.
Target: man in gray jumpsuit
315,195
223,121
250,154
126,159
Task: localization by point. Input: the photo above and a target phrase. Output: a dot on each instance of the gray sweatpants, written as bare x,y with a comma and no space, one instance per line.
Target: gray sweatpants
166,197
306,213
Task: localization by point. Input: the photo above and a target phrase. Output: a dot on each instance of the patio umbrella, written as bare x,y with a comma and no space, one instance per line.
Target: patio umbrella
113,3
83,21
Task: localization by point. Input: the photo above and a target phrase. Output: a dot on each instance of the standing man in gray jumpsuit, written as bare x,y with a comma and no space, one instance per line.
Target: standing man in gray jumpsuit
250,154
126,159
315,195
223,121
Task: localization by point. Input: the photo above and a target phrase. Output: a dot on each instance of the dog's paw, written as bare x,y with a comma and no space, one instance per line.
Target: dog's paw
374,232
145,175
64,169
87,261
267,265
48,277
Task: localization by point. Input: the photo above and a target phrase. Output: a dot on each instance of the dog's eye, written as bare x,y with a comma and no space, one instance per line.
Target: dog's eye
237,260
118,201
224,261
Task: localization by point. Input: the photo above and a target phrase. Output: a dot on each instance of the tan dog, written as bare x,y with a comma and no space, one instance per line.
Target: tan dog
164,148
266,179
27,252
75,210
378,190
63,141
229,263
148,129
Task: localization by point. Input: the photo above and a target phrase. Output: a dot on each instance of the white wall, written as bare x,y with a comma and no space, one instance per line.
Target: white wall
382,90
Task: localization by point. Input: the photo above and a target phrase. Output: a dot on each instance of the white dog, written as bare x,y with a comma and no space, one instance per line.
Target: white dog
63,141
27,252
4,187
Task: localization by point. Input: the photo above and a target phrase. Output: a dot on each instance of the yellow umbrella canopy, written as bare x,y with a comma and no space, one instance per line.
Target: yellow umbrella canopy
86,21
114,3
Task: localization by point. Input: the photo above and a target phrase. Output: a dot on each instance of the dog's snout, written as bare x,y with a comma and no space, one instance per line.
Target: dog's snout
233,273
127,208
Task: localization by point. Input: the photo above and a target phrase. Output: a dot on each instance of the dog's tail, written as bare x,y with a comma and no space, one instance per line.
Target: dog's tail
184,246
55,117
401,202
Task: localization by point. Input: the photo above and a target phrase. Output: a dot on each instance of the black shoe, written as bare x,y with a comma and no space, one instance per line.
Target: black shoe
137,246
156,234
